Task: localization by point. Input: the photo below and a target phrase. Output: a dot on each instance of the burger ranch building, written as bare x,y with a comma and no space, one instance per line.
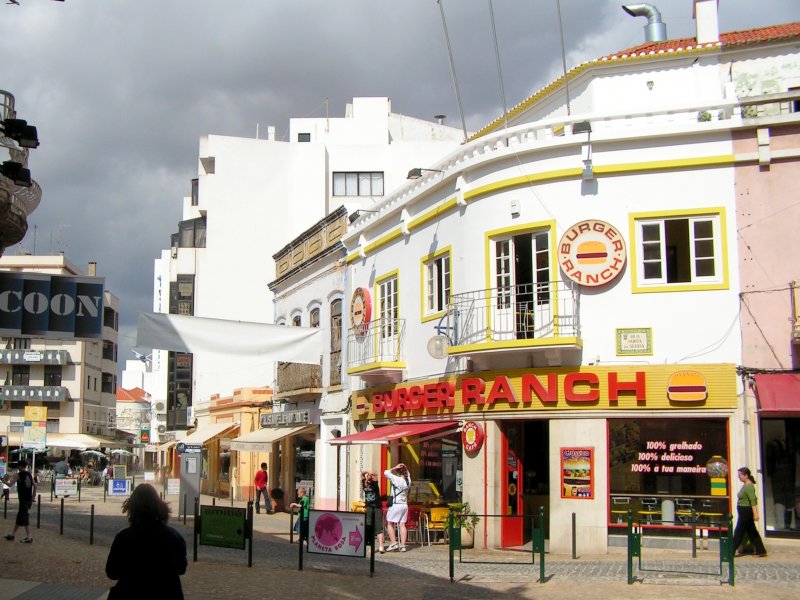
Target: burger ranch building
595,441
550,315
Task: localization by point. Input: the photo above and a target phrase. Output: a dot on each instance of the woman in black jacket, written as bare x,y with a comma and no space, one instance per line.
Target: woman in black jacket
149,556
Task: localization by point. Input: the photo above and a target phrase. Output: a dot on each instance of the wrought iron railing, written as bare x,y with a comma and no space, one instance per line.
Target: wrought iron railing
526,311
381,341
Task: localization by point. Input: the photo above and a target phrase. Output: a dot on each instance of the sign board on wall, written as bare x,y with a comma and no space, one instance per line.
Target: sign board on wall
577,473
635,342
52,306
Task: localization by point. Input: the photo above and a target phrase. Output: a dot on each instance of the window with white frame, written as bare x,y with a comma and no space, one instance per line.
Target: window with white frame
358,184
388,308
437,284
679,250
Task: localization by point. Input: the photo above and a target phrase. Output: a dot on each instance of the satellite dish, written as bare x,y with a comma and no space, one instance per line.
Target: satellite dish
437,346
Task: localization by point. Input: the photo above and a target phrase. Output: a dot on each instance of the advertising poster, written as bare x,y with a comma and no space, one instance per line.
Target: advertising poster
34,429
173,486
222,526
577,473
64,488
339,533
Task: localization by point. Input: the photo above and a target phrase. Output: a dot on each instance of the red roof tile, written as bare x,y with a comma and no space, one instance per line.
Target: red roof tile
134,395
759,35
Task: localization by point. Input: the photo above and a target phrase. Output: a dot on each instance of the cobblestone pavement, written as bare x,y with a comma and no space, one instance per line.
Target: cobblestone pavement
74,569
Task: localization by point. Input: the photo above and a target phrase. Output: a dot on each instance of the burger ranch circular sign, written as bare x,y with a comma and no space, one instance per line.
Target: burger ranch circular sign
592,253
360,311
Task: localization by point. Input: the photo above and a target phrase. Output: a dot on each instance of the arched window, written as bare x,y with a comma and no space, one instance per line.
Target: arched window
314,317
296,321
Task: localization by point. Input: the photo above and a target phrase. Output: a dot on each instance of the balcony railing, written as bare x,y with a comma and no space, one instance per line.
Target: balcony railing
523,312
40,393
294,377
381,342
34,357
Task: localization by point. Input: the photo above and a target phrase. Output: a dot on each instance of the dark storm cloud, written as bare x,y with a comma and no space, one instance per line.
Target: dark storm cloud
121,90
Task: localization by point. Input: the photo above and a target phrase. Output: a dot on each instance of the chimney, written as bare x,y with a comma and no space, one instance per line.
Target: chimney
91,270
707,20
656,29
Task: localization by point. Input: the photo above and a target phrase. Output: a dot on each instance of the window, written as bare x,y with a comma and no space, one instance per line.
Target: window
679,250
358,184
303,137
195,192
388,308
181,295
336,342
22,344
296,321
52,375
314,317
436,283
21,375
191,234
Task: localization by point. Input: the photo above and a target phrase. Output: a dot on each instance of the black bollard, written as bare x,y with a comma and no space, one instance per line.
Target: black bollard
184,509
61,521
5,507
574,539
91,527
39,511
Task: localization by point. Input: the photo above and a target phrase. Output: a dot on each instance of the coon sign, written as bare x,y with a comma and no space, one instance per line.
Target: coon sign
604,388
52,306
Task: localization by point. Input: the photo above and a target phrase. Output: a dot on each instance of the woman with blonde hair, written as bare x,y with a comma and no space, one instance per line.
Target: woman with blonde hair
149,556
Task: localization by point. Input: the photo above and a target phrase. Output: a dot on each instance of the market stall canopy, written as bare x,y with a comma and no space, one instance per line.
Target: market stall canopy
183,333
208,432
76,441
778,392
390,433
166,445
261,440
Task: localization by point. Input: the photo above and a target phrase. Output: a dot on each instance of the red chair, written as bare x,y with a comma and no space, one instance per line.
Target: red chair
415,529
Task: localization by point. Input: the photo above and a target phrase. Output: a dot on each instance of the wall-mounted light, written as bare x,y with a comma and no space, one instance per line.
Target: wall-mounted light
353,217
585,127
416,172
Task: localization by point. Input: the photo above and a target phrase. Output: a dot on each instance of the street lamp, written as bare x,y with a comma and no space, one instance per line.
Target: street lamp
416,172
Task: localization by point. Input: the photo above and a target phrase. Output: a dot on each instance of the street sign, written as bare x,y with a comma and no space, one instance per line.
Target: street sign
144,436
119,487
188,448
64,488
224,527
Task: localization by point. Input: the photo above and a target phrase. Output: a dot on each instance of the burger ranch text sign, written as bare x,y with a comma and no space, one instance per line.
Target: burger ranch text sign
591,253
563,388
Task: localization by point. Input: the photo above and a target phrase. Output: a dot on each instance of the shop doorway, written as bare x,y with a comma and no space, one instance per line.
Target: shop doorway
525,479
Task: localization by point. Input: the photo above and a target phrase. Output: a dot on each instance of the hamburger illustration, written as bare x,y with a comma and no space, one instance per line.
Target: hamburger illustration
687,386
591,253
577,477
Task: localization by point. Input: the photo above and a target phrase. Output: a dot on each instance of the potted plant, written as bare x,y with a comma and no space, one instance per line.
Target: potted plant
466,519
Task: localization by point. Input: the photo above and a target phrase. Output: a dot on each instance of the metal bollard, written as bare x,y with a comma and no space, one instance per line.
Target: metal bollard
61,521
214,501
79,490
5,507
39,511
574,539
91,527
184,509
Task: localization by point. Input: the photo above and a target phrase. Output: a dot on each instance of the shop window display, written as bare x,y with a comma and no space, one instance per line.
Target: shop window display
658,469
435,467
781,484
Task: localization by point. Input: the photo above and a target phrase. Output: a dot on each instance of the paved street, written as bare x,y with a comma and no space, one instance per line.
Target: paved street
424,572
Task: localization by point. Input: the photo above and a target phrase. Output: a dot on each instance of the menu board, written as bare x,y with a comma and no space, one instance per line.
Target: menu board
577,473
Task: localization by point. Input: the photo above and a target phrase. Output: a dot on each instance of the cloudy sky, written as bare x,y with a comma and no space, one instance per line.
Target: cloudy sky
121,90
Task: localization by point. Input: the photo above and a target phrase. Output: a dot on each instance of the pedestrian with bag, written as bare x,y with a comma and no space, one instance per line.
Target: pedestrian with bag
26,490
397,515
372,503
747,510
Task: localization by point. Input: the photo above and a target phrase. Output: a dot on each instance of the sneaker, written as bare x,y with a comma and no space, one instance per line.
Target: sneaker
26,540
392,547
381,549
10,537
402,548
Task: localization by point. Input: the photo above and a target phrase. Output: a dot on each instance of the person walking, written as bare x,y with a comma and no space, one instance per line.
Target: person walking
747,510
149,556
261,482
26,490
372,503
397,515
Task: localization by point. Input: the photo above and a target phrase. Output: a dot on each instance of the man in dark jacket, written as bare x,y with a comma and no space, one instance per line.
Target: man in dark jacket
26,490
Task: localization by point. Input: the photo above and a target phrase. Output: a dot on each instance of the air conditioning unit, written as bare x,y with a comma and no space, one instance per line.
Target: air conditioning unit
160,407
162,429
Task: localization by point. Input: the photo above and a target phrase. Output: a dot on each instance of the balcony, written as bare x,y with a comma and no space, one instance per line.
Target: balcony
38,393
298,381
37,357
376,353
522,318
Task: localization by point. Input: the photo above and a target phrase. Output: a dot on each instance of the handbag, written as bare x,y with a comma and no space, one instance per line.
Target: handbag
390,499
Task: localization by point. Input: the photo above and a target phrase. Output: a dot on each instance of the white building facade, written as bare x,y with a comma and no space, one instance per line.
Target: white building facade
565,292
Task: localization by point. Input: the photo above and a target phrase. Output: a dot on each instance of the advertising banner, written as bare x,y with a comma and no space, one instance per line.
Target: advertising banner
339,533
577,473
52,306
173,486
34,428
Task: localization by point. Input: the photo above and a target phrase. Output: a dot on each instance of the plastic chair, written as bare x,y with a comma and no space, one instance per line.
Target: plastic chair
414,527
438,522
649,509
684,510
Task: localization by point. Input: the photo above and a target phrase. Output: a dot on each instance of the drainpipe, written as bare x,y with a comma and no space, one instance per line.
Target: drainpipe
656,29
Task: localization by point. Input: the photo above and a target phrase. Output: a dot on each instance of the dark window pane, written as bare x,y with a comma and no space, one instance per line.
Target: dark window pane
652,270
652,252
703,229
651,233
705,268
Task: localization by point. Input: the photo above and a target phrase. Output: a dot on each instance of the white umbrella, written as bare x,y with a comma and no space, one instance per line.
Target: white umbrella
92,453
121,452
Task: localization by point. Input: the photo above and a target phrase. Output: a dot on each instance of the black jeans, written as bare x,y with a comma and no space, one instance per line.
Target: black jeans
746,525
